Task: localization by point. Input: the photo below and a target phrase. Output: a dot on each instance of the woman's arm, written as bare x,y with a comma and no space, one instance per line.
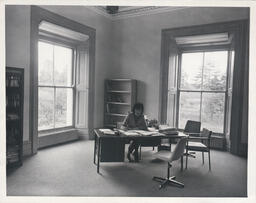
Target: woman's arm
125,125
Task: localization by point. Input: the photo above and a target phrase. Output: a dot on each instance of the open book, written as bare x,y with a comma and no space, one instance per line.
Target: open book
137,132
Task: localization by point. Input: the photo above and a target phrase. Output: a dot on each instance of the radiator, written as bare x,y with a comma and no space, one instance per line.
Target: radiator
218,142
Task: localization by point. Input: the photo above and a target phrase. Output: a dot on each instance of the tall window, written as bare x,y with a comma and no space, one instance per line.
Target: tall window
55,86
202,89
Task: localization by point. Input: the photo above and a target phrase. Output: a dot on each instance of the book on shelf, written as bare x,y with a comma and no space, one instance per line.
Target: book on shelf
13,81
107,108
12,117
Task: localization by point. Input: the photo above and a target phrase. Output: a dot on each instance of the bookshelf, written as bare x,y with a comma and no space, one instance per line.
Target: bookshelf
120,96
14,116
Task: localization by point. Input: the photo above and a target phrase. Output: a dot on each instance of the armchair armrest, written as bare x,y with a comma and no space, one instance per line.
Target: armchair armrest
197,138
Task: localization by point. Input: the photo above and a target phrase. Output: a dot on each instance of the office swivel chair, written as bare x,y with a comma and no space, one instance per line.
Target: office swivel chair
200,144
170,157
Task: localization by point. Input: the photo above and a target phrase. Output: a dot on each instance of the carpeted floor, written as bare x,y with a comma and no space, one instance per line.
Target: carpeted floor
68,170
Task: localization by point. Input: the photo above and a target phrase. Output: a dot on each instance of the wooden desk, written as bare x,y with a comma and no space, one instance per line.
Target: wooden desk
110,148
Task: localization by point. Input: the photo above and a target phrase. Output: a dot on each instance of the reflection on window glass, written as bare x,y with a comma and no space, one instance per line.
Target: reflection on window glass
189,107
191,70
62,66
213,111
63,107
45,64
55,92
215,70
45,108
201,73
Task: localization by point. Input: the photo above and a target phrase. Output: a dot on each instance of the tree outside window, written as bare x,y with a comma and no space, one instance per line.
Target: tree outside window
55,91
203,88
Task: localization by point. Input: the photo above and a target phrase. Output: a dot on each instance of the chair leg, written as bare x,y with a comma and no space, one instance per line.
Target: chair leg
172,181
153,148
140,152
209,160
186,158
168,180
203,157
158,179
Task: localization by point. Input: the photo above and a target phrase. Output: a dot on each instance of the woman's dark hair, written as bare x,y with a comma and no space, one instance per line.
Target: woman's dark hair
138,106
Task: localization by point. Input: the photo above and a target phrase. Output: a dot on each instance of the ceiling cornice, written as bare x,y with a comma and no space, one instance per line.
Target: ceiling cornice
129,12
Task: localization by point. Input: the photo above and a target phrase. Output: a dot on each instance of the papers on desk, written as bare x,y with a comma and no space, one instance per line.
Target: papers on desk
167,130
129,132
146,133
138,132
107,131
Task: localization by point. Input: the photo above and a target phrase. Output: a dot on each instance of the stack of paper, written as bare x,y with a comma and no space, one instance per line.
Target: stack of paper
167,129
131,133
107,131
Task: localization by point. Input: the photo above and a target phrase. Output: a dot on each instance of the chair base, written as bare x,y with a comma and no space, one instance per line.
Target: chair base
190,154
168,181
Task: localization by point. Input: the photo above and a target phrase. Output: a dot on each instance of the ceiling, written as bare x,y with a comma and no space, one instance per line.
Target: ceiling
120,12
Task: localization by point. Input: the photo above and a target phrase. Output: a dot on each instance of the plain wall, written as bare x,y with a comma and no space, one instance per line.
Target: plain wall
18,51
137,45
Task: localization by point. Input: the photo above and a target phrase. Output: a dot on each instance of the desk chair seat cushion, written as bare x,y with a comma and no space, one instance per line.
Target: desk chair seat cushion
176,154
197,146
164,155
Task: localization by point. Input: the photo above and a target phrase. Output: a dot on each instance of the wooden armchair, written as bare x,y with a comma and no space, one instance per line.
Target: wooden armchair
200,143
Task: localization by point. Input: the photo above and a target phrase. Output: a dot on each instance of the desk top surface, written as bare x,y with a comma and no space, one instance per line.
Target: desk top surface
98,133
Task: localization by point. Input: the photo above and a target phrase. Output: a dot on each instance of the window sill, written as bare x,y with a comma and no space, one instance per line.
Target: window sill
55,131
57,137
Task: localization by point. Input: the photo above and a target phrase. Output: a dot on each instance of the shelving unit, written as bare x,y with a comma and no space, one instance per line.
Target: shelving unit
14,116
120,96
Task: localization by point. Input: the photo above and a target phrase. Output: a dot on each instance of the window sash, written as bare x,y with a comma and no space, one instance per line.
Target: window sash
54,109
57,43
72,86
201,91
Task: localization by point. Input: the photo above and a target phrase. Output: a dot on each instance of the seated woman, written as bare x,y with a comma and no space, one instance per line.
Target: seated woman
135,121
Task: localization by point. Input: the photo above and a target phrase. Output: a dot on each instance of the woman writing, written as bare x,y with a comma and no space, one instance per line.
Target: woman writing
135,121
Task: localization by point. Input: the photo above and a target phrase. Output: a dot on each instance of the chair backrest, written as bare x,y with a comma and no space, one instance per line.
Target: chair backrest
207,133
179,149
192,127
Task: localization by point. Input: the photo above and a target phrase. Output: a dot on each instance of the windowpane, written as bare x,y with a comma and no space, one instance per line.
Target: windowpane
213,105
45,63
215,70
63,107
191,71
62,66
189,107
45,108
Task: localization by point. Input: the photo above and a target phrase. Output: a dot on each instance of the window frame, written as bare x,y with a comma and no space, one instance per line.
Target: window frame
60,42
37,16
201,91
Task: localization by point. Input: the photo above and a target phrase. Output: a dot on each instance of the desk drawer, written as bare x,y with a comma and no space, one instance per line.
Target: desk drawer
112,150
